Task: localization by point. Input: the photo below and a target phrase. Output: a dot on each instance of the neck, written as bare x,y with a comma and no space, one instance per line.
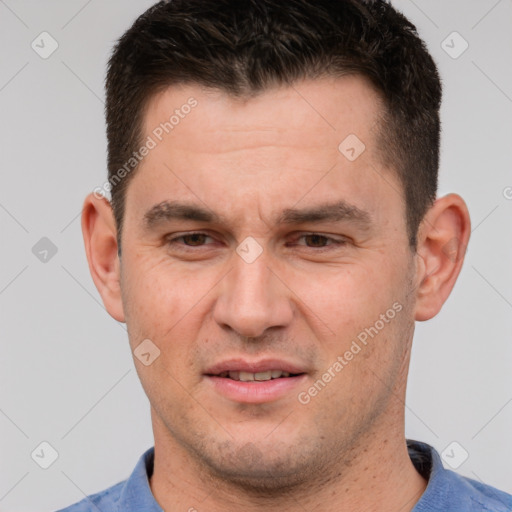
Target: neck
376,474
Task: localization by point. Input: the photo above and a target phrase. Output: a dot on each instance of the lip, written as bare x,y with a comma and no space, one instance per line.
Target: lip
255,392
244,365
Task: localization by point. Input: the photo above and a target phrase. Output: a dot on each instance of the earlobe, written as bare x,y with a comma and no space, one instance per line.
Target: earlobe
100,239
442,240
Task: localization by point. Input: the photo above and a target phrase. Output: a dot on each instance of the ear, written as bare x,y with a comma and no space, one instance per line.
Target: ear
99,232
442,240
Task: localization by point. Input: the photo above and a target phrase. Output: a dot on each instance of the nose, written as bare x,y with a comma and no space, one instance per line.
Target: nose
253,298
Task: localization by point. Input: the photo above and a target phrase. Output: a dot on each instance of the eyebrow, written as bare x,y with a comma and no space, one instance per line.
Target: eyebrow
338,211
326,212
173,210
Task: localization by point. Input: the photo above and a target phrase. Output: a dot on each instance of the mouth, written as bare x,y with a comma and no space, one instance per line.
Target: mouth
256,377
255,382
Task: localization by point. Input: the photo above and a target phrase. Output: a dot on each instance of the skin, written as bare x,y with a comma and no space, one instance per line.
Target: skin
248,160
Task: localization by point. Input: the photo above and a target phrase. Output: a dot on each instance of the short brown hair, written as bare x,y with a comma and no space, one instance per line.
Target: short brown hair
245,46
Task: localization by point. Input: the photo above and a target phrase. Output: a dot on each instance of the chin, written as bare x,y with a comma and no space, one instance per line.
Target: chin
258,469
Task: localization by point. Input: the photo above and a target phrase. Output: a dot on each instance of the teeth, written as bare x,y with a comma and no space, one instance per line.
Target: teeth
259,376
263,375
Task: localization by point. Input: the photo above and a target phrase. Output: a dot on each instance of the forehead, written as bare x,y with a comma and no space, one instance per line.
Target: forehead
319,112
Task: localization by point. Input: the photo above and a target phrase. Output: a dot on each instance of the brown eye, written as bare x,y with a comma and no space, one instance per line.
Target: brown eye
194,239
318,241
188,240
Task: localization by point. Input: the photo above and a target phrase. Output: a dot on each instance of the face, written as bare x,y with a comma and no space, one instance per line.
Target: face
271,268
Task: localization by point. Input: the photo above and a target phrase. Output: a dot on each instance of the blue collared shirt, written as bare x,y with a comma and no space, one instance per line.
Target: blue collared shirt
446,491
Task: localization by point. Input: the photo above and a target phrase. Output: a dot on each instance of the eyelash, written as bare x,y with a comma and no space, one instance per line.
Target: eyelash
333,242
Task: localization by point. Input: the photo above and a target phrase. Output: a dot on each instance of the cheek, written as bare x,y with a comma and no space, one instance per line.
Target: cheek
168,305
158,293
348,297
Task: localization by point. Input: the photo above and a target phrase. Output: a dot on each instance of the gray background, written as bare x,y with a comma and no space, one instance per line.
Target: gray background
66,372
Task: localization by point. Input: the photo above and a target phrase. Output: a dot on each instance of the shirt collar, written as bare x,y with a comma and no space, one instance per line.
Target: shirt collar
136,493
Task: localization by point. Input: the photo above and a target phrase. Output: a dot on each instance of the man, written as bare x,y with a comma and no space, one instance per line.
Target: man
273,235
